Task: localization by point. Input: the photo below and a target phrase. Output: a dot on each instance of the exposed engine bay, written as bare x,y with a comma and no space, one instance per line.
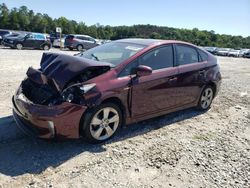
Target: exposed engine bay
61,79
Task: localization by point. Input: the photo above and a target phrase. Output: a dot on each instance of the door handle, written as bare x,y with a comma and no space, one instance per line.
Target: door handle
172,79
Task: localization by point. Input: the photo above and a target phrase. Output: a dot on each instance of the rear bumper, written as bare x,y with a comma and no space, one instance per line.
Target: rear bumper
61,121
69,45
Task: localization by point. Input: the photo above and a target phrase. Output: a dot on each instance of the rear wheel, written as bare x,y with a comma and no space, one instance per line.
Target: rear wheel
206,98
79,47
46,47
101,123
19,46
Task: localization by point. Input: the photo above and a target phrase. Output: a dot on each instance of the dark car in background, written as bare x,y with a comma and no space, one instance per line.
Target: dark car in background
247,54
28,41
80,42
93,94
2,33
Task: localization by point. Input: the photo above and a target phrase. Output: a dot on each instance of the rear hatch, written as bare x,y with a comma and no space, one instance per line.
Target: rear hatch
69,40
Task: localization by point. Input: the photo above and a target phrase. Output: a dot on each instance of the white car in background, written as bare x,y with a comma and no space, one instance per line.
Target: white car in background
233,53
57,43
222,51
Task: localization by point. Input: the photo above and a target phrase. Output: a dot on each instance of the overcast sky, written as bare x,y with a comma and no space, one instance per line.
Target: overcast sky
222,16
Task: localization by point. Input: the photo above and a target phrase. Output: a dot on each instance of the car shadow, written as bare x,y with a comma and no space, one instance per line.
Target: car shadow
20,154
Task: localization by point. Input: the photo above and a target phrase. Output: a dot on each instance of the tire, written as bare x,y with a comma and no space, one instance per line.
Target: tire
79,47
19,46
206,98
46,47
96,128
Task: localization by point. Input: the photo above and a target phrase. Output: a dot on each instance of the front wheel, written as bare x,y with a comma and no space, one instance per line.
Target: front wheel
79,47
206,98
101,123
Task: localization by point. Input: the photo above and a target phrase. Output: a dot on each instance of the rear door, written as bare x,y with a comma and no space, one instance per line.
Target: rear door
191,73
156,92
89,42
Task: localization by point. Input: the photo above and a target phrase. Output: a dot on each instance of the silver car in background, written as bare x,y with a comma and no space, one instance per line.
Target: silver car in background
80,42
222,51
234,53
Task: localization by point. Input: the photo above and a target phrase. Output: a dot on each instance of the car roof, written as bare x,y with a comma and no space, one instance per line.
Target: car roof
36,33
150,42
80,35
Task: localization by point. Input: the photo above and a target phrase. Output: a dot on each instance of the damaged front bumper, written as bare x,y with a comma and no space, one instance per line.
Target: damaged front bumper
61,121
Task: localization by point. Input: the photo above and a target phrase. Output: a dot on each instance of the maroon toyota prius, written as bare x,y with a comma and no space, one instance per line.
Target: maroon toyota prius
94,93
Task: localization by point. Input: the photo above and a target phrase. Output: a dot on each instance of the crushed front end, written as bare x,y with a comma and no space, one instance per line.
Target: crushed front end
51,101
46,121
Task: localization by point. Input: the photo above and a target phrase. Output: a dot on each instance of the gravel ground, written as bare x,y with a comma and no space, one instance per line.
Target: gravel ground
183,149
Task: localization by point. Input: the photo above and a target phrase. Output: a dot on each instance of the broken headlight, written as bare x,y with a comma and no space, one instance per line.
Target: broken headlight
75,93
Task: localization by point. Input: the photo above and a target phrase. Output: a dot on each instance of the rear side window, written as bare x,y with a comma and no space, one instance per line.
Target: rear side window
203,55
80,37
186,55
159,58
39,37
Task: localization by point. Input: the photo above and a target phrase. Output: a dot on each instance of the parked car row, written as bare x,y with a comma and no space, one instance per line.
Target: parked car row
228,52
29,40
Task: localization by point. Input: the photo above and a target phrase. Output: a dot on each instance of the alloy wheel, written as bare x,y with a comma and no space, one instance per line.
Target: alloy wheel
46,47
19,46
206,98
104,123
79,47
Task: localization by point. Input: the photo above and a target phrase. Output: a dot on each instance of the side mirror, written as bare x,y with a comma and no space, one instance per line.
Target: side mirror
143,70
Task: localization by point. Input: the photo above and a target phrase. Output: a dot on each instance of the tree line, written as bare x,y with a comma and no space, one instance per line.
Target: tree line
26,20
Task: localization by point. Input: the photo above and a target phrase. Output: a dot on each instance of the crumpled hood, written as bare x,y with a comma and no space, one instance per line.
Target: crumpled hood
61,68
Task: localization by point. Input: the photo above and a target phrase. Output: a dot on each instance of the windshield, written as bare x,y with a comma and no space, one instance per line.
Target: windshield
113,52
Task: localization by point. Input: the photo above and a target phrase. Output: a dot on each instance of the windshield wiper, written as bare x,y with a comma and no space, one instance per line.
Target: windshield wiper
96,58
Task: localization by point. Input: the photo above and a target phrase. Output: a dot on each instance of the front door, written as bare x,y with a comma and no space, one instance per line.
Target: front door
156,92
29,41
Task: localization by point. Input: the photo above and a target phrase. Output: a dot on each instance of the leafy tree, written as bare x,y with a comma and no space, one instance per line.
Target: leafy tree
4,16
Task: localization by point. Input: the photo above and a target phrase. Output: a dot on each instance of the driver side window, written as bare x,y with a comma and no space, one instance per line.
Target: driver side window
159,58
30,36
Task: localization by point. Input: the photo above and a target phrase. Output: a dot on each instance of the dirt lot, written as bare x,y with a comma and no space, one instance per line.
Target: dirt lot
183,149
